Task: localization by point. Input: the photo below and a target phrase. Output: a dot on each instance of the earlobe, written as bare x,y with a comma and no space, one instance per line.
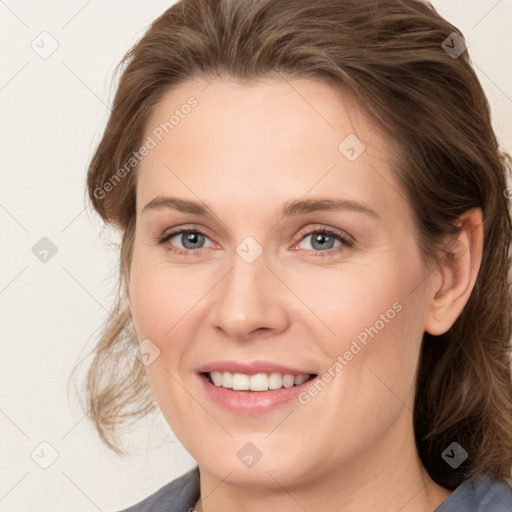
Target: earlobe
454,282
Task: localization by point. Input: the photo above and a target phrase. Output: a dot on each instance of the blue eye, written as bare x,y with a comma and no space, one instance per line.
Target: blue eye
324,237
192,240
188,236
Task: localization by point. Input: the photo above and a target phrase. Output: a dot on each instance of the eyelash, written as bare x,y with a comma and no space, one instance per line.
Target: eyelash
346,242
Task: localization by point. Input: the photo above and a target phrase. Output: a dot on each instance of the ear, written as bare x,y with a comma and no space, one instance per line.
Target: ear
451,286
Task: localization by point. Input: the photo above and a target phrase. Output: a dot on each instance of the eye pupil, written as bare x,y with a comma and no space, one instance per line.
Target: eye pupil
323,240
193,238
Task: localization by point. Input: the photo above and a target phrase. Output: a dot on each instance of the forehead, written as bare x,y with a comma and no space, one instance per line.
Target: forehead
302,106
263,140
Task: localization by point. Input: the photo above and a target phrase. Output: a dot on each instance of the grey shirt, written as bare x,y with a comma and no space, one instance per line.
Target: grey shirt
479,494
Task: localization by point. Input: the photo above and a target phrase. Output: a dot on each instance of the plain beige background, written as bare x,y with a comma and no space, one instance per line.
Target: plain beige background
53,109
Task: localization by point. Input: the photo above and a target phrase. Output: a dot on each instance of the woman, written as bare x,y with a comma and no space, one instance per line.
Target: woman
314,261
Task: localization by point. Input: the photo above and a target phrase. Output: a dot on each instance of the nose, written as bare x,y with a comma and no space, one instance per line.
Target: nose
249,301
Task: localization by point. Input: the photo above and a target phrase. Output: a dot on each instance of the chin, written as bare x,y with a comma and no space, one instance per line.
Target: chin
242,467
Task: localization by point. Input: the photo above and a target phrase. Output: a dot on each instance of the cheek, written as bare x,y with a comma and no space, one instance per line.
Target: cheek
376,314
160,299
363,303
160,296
379,348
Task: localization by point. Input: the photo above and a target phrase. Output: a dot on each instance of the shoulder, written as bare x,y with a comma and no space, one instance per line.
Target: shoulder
479,494
180,495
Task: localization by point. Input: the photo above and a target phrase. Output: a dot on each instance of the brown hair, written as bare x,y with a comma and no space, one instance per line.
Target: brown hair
394,57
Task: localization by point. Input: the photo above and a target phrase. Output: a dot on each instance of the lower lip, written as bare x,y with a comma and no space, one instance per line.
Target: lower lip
251,402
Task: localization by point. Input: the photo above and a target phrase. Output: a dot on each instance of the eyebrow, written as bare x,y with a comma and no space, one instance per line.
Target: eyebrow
291,208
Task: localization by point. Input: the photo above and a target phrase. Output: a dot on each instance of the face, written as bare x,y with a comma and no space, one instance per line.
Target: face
255,286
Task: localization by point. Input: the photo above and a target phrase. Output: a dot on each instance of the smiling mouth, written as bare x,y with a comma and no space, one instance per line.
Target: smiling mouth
256,382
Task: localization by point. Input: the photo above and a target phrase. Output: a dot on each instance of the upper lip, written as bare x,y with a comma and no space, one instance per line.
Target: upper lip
250,368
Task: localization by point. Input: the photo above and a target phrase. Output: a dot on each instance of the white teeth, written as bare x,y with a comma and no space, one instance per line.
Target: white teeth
240,381
275,381
227,380
257,382
300,379
288,381
217,378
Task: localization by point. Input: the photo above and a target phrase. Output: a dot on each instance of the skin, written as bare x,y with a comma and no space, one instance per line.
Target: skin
245,150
